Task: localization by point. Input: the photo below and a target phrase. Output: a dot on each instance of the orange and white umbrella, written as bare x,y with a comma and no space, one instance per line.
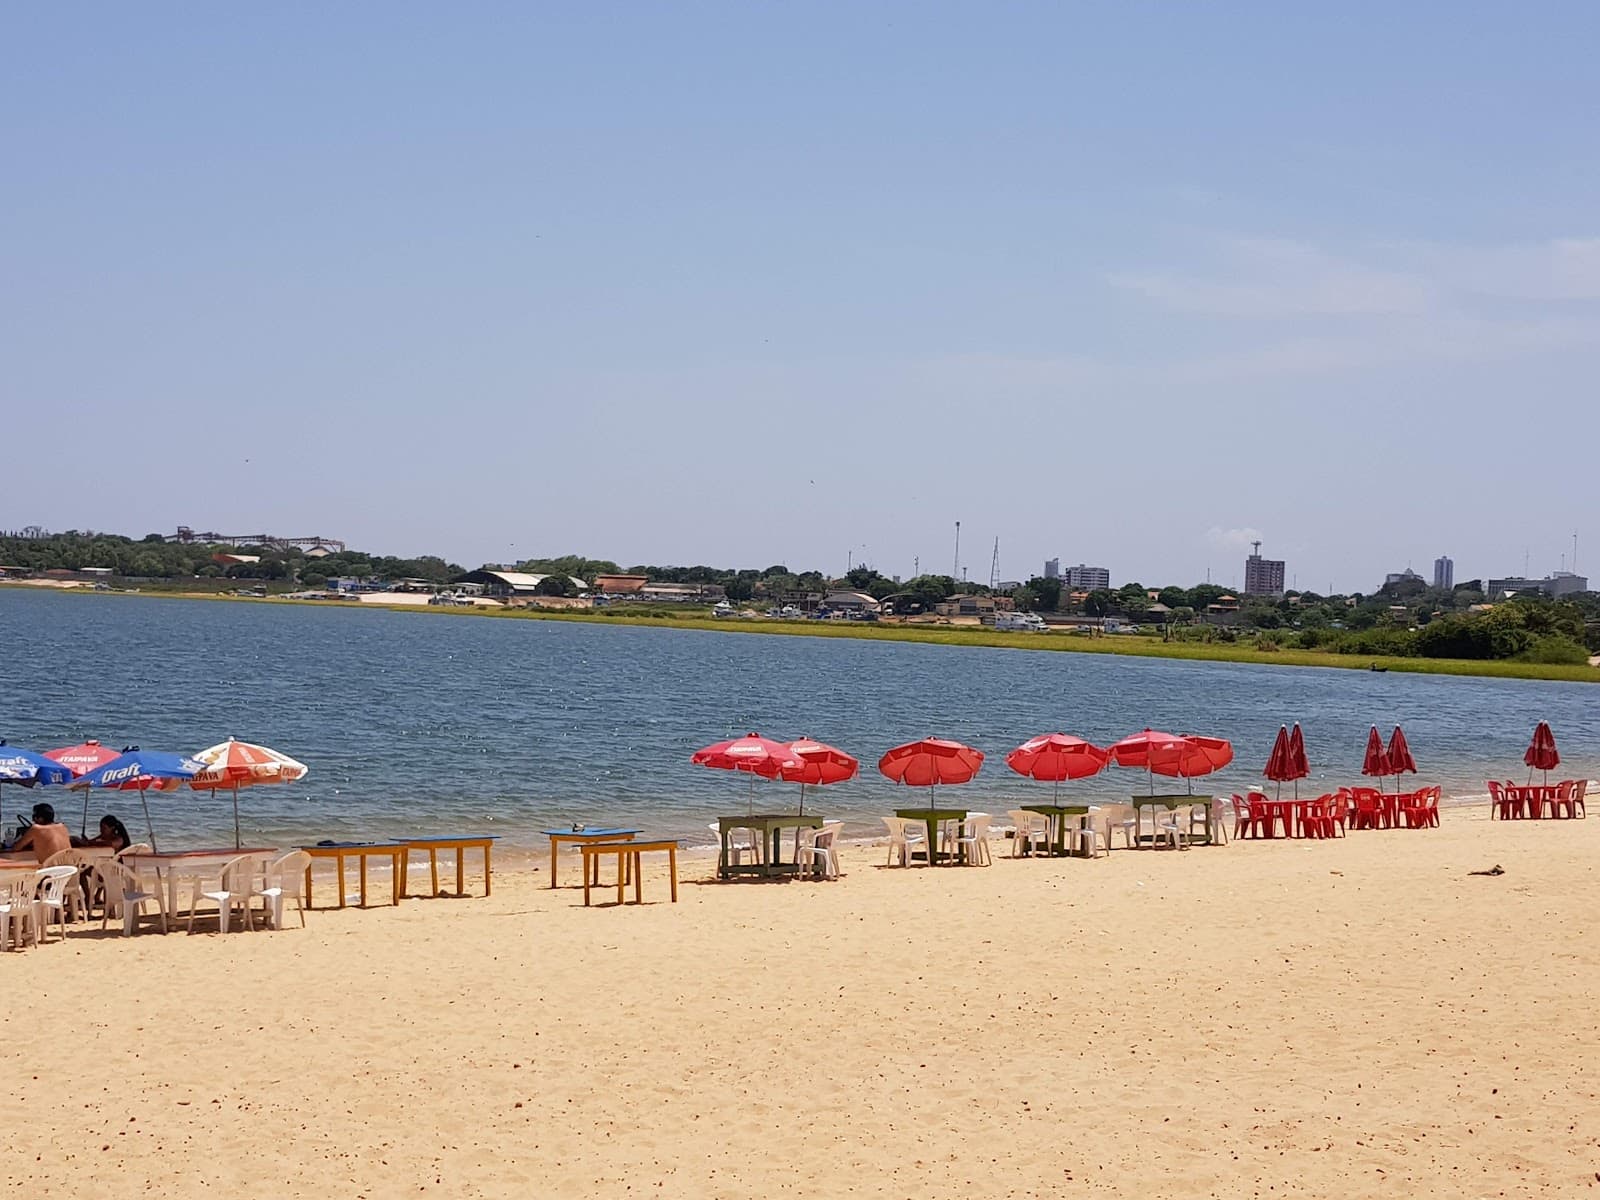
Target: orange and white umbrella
234,764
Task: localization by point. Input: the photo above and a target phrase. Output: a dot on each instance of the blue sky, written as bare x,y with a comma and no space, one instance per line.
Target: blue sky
753,283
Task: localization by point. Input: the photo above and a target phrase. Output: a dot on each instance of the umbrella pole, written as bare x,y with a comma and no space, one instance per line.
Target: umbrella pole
144,801
85,829
236,842
802,799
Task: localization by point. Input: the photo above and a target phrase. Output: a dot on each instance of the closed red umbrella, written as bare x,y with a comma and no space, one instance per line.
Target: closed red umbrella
753,754
1297,751
1541,754
819,764
1280,763
1399,754
1376,760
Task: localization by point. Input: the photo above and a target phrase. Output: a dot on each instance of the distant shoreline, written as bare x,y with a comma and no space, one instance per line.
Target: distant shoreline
1126,646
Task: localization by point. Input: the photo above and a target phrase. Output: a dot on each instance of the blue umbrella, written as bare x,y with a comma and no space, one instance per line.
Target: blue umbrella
136,770
28,768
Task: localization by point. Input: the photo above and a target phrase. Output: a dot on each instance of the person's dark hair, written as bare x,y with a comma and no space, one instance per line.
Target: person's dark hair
43,814
118,830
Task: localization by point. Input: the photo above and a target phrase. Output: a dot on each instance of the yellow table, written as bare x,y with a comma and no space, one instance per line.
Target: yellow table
433,845
582,837
627,863
395,852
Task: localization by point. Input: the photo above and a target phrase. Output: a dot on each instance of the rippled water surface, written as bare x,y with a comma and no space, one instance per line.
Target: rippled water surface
416,723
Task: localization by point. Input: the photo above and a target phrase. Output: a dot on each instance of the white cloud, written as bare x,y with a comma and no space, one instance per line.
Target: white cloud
1556,270
1275,277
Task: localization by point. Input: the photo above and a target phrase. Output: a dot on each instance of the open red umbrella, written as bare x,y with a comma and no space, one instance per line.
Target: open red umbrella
931,761
1052,757
752,753
1177,756
1541,754
820,764
1399,754
80,760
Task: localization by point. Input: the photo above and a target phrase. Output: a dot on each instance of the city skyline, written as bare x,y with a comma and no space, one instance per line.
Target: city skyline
1272,279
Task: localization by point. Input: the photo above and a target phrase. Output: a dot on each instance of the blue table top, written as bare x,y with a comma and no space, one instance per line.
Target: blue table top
470,837
588,831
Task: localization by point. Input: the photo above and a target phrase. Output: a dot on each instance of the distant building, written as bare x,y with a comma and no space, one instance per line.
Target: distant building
1088,579
620,585
1555,585
1406,576
1052,568
1262,576
1444,572
504,585
845,601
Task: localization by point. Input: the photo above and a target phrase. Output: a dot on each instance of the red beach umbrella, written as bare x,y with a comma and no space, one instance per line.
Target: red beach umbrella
930,762
1399,754
1280,763
1376,760
820,764
1297,752
752,753
1177,756
1541,754
80,760
235,764
1053,757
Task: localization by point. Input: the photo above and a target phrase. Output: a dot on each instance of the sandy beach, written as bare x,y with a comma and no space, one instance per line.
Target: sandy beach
1354,1018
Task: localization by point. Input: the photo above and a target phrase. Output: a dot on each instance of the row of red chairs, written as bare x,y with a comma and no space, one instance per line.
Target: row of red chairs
1333,813
1563,800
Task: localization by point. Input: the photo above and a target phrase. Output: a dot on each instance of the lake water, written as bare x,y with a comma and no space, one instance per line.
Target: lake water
417,723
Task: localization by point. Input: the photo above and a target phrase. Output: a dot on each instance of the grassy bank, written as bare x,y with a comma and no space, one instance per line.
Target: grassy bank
947,635
1132,647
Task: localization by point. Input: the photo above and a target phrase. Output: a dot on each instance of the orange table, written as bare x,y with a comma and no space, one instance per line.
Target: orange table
627,863
582,837
395,852
433,845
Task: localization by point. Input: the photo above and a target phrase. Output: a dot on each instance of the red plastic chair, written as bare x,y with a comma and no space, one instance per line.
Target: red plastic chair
1579,787
1316,820
1369,809
1562,805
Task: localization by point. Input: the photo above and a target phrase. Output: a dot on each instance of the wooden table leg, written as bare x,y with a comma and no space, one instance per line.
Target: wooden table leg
486,869
638,880
308,886
362,858
555,846
433,868
672,860
339,863
622,878
461,875
401,857
586,857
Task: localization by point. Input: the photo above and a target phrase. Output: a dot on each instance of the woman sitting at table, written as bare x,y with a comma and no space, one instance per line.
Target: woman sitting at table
113,833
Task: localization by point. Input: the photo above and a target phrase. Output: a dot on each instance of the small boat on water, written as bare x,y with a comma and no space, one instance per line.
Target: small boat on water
1376,667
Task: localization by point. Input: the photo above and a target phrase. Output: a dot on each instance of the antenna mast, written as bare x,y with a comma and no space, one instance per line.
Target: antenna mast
955,563
994,566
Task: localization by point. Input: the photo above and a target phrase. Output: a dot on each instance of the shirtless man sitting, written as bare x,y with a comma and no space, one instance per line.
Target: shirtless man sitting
45,836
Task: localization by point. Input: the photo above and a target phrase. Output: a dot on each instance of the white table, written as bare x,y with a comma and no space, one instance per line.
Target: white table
169,867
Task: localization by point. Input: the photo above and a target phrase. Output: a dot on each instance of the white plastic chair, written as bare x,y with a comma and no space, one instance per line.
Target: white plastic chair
740,843
819,850
50,892
1169,829
1200,822
77,898
1091,838
1030,831
284,878
234,885
17,912
974,840
904,836
125,897
1123,818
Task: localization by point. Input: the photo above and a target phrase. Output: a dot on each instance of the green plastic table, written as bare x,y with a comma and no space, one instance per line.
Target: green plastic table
932,817
771,827
1058,814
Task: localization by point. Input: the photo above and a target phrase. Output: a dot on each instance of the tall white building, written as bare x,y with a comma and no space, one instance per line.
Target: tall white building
1087,579
1052,568
1262,576
1444,572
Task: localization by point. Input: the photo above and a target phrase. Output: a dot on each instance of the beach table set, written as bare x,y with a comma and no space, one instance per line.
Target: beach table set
597,842
1562,801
